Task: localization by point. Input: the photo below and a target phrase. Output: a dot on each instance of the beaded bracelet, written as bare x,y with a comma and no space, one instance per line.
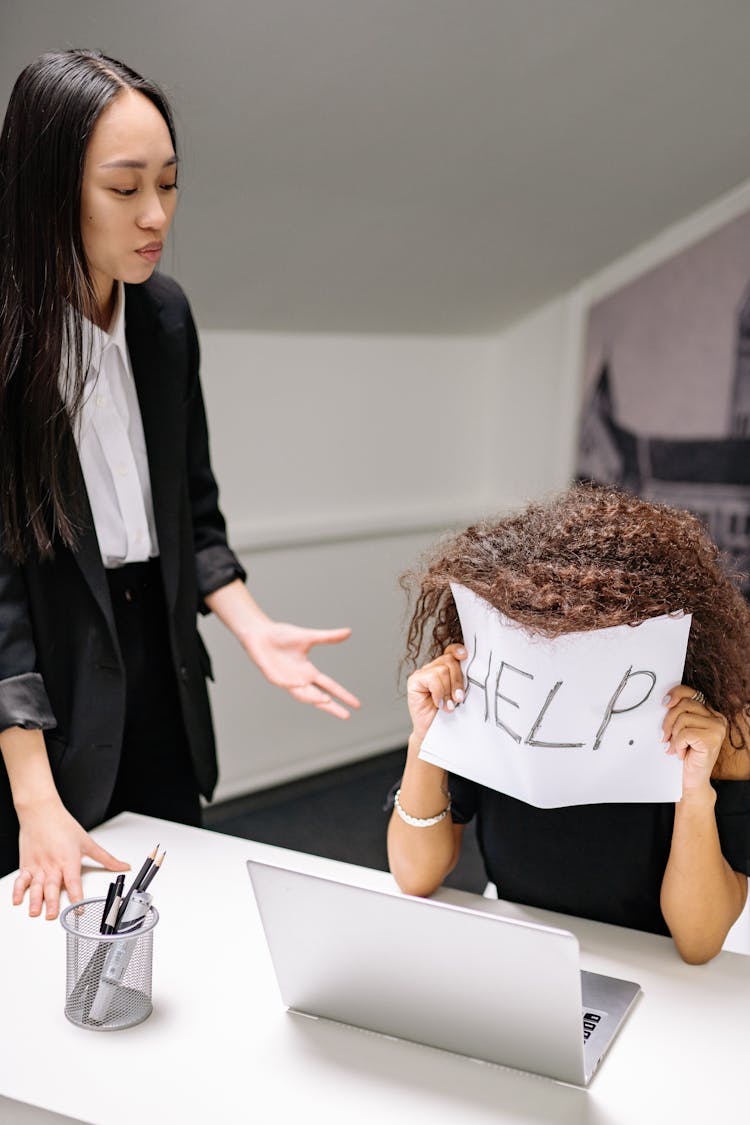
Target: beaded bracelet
418,821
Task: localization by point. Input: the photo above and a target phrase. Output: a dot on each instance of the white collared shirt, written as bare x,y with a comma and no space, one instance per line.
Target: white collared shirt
112,448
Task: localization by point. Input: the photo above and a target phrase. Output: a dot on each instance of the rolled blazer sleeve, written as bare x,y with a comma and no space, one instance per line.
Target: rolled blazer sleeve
216,564
23,697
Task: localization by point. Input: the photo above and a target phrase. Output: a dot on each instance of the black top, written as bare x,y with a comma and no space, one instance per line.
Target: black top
604,862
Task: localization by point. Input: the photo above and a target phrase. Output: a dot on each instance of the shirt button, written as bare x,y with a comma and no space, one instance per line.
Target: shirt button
184,674
100,400
122,469
138,536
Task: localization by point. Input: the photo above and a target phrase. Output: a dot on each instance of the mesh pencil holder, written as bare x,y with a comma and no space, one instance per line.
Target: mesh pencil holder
108,978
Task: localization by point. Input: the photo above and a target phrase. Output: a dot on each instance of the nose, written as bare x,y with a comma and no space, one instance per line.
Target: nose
152,216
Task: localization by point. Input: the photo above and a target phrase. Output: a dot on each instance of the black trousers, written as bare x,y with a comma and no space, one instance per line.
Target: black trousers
155,776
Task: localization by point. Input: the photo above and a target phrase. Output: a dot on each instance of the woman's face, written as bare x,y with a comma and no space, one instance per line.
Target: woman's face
128,193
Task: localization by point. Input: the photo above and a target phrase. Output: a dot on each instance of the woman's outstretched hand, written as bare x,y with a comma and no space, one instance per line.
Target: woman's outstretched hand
52,845
695,733
280,651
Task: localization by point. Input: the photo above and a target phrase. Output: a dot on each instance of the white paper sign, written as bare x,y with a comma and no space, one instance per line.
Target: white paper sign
574,720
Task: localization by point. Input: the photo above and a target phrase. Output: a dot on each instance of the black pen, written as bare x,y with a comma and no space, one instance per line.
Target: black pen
111,916
107,907
111,920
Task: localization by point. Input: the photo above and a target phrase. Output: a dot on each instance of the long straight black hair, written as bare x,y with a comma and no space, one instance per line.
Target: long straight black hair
46,288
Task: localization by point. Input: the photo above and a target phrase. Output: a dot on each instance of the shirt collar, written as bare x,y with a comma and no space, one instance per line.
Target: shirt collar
95,342
113,337
117,327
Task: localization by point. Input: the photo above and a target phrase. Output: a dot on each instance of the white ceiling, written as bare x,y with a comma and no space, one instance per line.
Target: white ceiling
420,165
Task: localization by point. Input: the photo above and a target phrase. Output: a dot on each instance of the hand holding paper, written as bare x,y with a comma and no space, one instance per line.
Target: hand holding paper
695,734
438,684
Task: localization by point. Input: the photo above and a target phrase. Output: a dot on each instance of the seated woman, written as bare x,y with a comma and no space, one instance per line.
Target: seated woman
589,559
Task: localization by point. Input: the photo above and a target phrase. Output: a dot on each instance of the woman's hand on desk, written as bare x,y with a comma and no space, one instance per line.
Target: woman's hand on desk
51,846
696,734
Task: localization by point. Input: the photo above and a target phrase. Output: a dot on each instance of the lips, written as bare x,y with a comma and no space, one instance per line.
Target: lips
152,251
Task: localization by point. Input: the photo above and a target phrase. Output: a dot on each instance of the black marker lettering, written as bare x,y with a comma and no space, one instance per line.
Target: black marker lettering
479,683
531,741
498,721
612,710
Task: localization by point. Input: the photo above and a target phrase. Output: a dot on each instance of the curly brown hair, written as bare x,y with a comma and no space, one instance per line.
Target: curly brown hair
589,558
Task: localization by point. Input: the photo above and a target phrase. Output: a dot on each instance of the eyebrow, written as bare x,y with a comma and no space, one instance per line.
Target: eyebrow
136,163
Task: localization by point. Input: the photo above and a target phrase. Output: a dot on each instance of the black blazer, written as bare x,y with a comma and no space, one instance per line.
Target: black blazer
60,664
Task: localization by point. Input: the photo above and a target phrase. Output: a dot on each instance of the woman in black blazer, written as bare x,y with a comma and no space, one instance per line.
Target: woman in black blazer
111,538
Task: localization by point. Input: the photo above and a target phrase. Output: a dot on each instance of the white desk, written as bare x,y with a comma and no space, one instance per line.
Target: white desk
220,1047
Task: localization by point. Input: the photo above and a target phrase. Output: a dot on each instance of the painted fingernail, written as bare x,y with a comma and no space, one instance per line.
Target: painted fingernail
461,652
458,695
440,704
450,705
667,698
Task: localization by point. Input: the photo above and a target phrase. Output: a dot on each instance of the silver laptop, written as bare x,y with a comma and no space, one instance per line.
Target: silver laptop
463,980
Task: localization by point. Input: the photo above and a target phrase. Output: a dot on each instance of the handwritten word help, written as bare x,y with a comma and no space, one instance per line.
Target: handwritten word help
506,671
566,720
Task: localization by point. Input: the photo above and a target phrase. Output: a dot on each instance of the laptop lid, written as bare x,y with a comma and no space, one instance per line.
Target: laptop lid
466,981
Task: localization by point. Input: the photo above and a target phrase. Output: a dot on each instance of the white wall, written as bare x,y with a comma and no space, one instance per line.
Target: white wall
339,460
535,412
